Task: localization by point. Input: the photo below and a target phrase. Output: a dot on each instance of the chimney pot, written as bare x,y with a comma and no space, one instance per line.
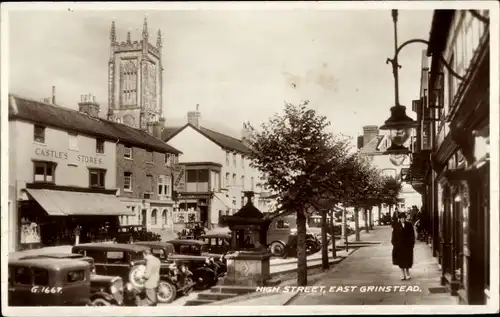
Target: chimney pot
89,105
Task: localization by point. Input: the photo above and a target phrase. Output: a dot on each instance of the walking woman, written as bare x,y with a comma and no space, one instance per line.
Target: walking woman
403,241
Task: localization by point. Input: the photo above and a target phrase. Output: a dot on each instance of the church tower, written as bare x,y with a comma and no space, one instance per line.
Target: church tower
135,80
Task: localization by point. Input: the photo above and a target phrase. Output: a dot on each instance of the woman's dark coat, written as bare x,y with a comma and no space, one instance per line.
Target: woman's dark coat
403,241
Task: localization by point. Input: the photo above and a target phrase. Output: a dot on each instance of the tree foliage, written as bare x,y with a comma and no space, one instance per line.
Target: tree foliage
296,155
311,169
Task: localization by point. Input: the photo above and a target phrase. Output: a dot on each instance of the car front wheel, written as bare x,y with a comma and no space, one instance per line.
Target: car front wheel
277,248
101,302
166,292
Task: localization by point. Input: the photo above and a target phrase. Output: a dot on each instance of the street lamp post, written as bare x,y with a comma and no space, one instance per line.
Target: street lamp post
399,124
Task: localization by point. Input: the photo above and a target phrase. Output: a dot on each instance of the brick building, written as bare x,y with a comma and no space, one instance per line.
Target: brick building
66,169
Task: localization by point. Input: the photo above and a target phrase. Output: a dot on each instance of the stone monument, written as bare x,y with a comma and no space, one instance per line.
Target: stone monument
248,264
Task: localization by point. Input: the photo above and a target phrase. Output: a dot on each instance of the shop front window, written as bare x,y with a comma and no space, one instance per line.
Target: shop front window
30,231
44,172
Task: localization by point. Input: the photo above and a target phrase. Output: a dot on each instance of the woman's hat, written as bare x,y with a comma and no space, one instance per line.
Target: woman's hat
401,215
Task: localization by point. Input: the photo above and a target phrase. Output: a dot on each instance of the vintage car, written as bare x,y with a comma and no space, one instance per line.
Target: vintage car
218,241
204,268
49,282
281,237
192,230
131,233
127,262
104,290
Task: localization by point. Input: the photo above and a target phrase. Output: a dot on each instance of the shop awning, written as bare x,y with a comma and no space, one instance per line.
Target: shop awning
65,203
224,200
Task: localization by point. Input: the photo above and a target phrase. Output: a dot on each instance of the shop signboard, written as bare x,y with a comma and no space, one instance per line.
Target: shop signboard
179,178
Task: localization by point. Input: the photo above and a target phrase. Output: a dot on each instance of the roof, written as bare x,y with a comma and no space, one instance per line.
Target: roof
249,211
49,263
111,247
224,141
54,256
153,243
224,231
186,241
373,146
21,108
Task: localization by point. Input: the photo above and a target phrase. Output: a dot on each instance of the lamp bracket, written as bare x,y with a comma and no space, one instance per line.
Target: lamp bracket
443,60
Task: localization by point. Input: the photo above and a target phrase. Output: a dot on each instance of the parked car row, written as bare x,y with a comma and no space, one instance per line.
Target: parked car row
110,273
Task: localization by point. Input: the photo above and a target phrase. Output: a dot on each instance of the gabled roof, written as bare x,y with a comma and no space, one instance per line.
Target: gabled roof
373,146
224,141
21,108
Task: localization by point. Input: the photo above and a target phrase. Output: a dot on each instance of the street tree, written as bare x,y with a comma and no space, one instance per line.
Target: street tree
390,192
333,190
359,187
292,151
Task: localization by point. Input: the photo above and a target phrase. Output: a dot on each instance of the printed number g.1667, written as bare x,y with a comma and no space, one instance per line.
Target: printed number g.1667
46,290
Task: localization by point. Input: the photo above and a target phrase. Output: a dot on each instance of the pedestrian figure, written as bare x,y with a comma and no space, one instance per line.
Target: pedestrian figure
151,277
403,241
394,220
76,232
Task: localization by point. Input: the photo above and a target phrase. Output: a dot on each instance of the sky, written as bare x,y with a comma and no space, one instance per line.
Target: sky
237,65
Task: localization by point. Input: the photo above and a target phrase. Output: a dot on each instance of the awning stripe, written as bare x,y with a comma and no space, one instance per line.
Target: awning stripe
63,203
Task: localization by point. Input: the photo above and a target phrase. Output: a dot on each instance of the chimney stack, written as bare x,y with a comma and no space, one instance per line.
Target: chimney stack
53,95
89,106
360,142
369,133
194,117
156,128
246,133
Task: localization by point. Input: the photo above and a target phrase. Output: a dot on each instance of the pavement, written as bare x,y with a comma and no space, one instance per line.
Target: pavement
370,265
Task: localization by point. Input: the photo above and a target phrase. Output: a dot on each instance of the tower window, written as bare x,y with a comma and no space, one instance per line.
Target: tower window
128,82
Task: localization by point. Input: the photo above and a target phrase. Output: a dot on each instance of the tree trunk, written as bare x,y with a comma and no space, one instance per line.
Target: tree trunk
344,229
370,217
356,223
332,223
324,240
390,211
365,214
379,214
301,249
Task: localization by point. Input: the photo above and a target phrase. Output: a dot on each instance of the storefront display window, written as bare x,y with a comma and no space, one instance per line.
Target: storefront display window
30,231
